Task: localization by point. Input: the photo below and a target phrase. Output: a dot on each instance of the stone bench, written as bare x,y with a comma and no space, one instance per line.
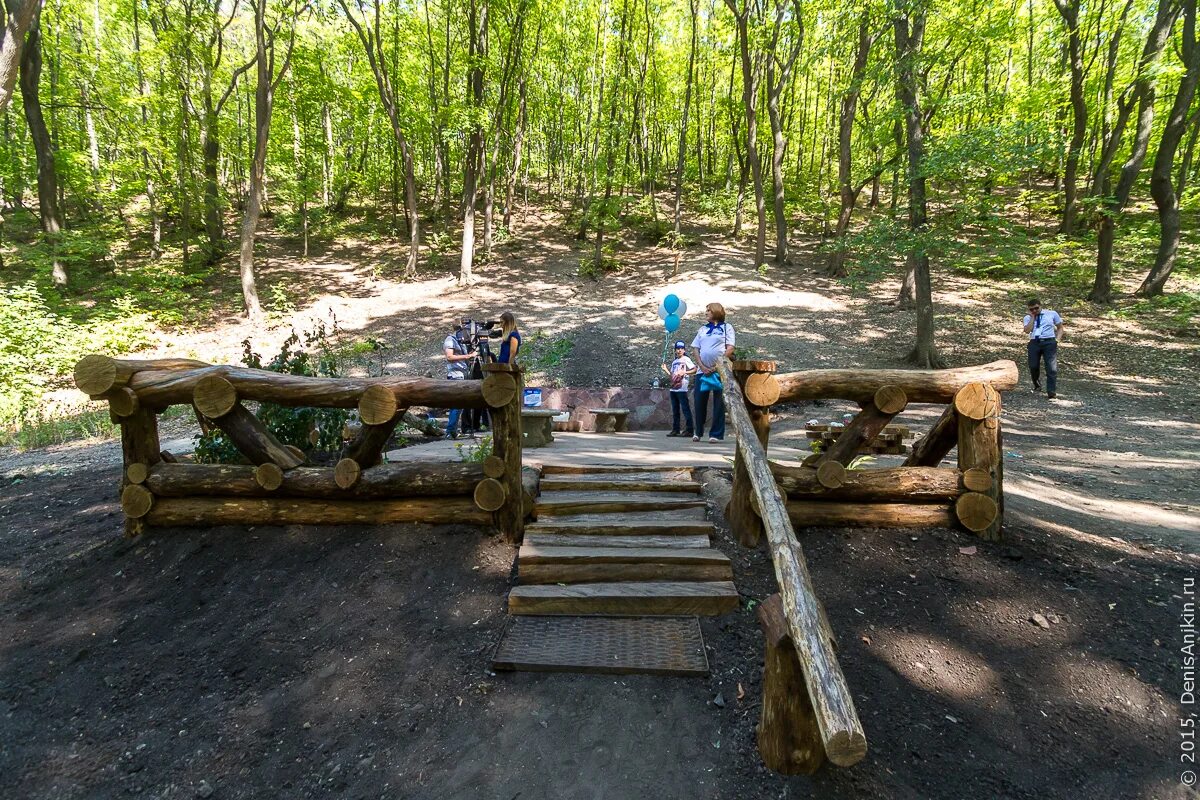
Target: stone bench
536,427
610,420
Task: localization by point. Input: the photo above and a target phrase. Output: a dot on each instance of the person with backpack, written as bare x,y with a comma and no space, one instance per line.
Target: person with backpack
459,361
714,340
680,372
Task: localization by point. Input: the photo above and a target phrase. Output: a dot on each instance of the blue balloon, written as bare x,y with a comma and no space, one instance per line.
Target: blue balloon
671,303
671,323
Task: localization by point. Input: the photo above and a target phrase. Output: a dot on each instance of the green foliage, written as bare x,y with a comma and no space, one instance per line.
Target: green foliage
316,357
1178,312
476,453
542,352
39,347
594,270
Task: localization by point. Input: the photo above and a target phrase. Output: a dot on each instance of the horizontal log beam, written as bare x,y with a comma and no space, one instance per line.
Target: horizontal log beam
820,514
890,485
919,386
242,511
383,481
97,375
161,388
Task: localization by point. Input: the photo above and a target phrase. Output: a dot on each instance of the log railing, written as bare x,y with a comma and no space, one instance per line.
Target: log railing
808,714
277,487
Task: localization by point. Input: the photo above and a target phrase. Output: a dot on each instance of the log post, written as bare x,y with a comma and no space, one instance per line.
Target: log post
140,451
978,411
367,446
933,446
866,425
254,441
837,720
788,738
759,376
506,445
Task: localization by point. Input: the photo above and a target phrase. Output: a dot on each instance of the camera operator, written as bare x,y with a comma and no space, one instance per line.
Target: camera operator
459,359
1045,328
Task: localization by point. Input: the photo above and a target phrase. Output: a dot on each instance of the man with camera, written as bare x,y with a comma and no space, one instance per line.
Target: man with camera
1044,327
460,356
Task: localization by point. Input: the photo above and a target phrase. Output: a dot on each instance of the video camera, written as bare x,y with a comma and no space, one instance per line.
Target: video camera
475,336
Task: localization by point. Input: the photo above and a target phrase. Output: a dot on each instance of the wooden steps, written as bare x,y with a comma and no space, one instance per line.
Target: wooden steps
613,469
635,598
613,573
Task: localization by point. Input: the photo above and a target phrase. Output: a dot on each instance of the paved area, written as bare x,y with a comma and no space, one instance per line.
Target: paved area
652,448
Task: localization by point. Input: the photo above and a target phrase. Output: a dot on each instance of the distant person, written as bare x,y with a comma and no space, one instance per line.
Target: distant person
1045,327
681,371
510,339
459,359
714,340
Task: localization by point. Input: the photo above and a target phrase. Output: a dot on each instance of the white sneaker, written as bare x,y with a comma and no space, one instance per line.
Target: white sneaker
713,440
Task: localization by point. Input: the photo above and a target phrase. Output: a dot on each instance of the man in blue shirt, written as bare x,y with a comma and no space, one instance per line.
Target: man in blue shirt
1044,327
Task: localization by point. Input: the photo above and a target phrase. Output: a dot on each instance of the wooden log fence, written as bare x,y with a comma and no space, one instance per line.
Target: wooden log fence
277,487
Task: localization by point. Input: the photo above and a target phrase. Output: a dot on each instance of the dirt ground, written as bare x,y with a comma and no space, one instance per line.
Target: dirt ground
306,662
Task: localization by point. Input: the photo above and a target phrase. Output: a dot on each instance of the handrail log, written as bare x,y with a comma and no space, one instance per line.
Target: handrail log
837,720
919,385
161,388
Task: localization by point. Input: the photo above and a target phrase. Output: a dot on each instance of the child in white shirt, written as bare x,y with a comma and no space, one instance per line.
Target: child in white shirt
680,371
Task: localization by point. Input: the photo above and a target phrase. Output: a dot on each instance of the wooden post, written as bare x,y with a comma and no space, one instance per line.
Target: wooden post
978,411
139,446
933,446
506,445
788,739
743,519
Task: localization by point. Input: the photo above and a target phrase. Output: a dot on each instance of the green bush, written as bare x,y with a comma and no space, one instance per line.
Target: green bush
315,357
39,347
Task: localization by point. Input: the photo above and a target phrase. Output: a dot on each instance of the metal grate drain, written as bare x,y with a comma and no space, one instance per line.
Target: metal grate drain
614,645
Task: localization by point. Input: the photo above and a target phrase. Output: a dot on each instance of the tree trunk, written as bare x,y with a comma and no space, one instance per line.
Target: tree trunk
846,191
18,21
143,98
1069,10
779,142
910,33
47,176
750,81
681,161
1166,199
1143,91
473,161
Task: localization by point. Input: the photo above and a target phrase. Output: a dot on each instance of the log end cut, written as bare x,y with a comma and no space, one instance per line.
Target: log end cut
499,388
762,389
977,480
976,511
214,396
136,501
377,405
977,401
831,474
268,476
489,494
137,472
346,473
493,467
890,399
95,375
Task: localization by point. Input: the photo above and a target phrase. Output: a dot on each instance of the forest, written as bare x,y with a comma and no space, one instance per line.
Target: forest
146,141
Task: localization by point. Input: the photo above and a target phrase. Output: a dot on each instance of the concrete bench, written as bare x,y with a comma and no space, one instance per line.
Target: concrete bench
610,420
536,427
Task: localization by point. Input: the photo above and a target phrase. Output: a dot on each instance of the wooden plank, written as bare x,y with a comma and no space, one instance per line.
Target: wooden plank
666,597
555,503
670,516
619,484
592,540
534,574
610,469
619,527
537,554
822,514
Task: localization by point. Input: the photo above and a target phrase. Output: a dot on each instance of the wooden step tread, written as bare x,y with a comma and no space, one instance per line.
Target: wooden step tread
569,483
553,503
538,554
707,598
610,469
665,516
586,540
607,645
618,527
